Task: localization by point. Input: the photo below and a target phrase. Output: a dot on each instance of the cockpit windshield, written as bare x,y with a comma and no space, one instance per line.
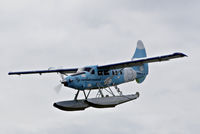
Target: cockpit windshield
78,74
88,69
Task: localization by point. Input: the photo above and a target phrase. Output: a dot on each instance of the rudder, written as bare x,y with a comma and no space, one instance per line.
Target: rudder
140,52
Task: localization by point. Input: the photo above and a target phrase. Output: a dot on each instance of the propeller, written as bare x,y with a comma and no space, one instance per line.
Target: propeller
62,77
59,86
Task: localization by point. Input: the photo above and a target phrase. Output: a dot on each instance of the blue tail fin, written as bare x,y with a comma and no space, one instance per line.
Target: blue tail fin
140,52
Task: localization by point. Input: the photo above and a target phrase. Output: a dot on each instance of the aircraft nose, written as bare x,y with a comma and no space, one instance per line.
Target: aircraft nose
65,83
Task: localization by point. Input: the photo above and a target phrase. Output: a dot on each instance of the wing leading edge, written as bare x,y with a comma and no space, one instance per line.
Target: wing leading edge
62,71
142,61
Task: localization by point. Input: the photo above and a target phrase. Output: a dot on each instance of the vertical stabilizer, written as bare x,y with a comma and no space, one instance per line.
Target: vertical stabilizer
140,52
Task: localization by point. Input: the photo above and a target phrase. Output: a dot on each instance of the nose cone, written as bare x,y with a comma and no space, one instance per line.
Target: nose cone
65,83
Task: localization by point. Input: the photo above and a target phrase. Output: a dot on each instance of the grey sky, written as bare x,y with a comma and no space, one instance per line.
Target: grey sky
38,34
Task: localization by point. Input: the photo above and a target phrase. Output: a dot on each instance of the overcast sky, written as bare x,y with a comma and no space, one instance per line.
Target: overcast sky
38,34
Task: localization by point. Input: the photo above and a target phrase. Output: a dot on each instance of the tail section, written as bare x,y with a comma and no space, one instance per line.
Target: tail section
142,70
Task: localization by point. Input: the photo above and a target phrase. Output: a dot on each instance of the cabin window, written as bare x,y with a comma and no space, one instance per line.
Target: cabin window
106,72
100,72
113,73
116,73
121,72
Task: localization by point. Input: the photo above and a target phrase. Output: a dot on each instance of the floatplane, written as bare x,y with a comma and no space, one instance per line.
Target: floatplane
104,78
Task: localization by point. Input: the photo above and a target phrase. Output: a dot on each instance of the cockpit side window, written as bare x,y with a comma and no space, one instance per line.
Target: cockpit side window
92,72
87,69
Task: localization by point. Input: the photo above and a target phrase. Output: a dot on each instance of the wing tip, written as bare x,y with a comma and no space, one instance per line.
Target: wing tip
10,73
180,54
13,73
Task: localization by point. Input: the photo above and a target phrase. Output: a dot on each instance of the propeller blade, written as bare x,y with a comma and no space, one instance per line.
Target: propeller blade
58,88
62,77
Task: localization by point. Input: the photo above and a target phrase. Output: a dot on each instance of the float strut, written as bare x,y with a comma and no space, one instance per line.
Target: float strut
75,98
85,94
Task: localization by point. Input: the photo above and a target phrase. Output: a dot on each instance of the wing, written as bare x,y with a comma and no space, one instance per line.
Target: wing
142,61
62,71
110,66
